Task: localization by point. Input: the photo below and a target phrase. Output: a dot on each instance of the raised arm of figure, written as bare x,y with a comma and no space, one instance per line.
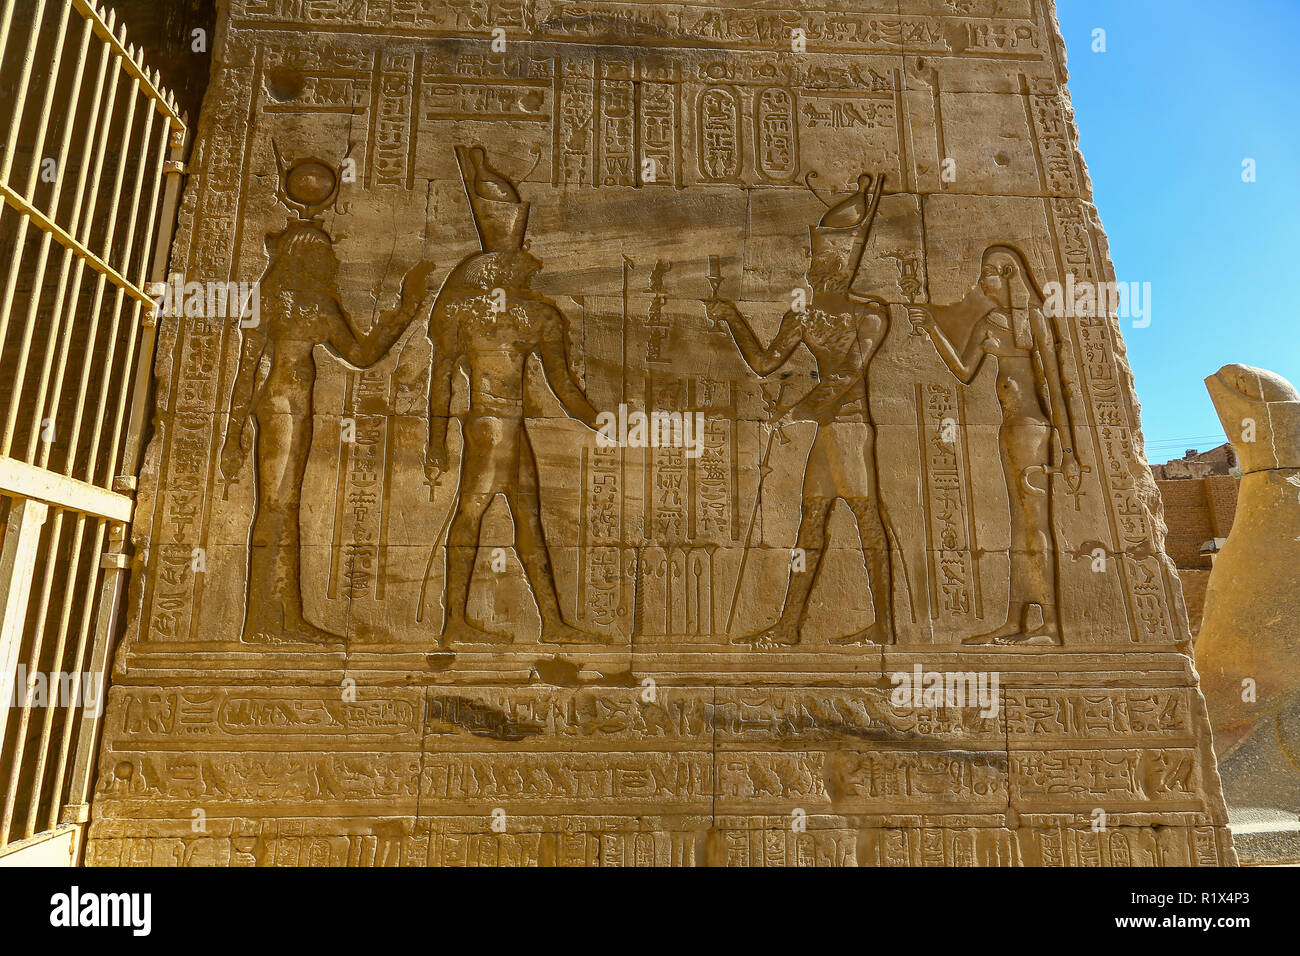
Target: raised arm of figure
964,365
764,360
367,349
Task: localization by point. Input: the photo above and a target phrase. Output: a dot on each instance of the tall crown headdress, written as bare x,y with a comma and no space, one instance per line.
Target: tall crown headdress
843,230
500,215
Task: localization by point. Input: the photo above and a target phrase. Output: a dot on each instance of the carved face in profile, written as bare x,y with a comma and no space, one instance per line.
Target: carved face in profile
1005,278
826,273
996,276
522,266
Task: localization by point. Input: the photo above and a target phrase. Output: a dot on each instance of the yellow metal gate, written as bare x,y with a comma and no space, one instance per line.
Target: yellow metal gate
89,177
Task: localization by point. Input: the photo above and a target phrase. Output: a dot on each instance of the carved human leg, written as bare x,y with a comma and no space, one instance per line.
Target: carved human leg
479,485
875,555
275,612
1031,602
815,514
526,504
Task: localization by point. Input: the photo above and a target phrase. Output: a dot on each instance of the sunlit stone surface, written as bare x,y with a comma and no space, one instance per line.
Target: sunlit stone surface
659,436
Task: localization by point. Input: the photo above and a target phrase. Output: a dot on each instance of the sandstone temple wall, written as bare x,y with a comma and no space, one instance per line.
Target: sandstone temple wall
666,678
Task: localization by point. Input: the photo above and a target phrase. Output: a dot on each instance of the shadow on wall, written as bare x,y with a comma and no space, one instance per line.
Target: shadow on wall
167,31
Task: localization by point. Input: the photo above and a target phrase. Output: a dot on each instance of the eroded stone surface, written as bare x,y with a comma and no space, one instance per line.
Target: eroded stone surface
1246,650
397,602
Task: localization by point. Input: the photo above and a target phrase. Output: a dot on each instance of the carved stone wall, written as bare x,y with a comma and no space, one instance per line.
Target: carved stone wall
409,589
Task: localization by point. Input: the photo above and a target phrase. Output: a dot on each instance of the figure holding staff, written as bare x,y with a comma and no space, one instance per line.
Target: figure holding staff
843,331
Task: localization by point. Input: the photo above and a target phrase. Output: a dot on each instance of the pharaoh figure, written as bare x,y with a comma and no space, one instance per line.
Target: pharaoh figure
843,331
488,321
271,405
1003,318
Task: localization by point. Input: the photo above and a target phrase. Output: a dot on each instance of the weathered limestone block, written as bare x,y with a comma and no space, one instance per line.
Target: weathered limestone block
1248,651
662,441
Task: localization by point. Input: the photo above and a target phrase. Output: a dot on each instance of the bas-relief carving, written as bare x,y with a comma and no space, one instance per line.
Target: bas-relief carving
843,332
1004,320
605,841
879,479
488,320
273,391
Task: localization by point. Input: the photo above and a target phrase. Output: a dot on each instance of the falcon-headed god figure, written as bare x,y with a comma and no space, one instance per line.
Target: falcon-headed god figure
489,321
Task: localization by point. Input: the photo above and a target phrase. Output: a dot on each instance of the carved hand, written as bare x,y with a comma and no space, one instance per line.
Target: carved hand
232,452
787,418
1070,466
722,310
435,462
922,319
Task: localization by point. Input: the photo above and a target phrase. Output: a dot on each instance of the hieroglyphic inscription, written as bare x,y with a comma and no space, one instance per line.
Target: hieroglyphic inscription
951,552
637,208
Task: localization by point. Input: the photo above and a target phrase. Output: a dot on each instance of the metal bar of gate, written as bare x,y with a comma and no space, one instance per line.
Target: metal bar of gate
84,94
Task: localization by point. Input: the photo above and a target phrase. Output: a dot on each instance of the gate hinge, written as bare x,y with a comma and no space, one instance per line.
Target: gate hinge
75,813
173,167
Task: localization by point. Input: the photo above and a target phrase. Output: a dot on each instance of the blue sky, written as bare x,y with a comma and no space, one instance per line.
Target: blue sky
1186,90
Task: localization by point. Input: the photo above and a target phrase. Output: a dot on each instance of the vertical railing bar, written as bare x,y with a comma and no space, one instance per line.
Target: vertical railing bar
176,140
137,334
42,258
38,640
89,199
162,99
20,92
19,547
34,664
92,201
6,164
109,603
92,457
145,151
34,667
131,104
43,124
88,361
6,20
76,668
56,314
